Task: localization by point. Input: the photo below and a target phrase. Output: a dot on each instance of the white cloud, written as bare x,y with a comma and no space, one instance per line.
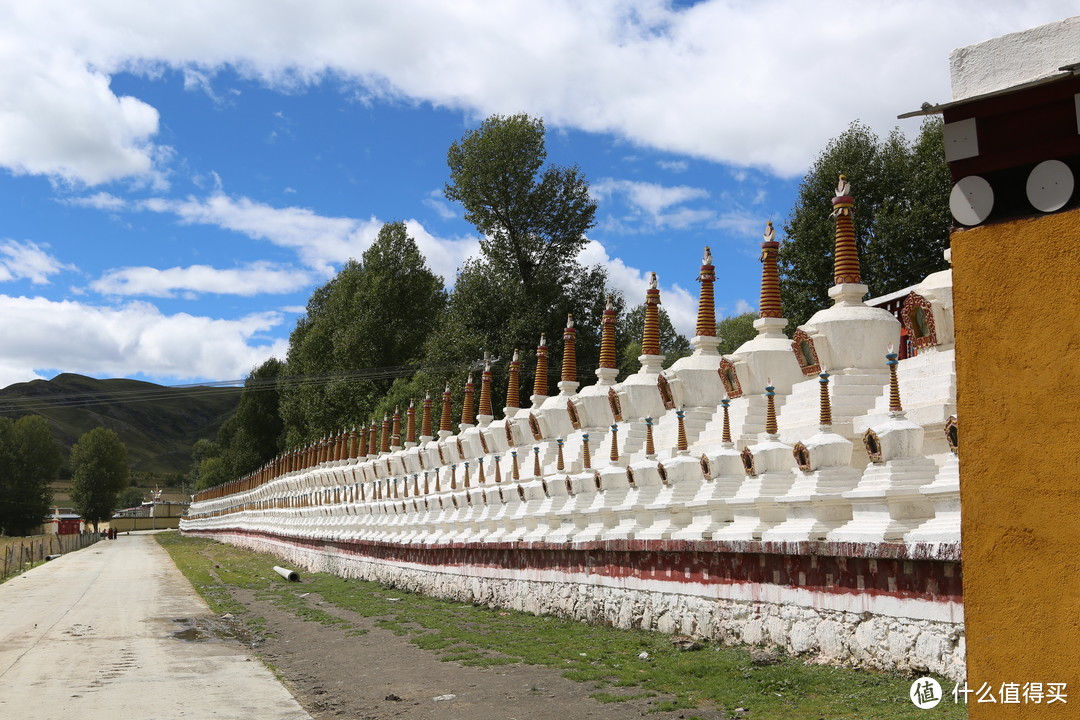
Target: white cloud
253,279
437,202
320,242
98,201
657,202
136,337
742,307
675,166
757,84
27,260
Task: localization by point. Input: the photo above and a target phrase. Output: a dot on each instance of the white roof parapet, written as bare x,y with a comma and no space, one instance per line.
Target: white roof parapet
1014,59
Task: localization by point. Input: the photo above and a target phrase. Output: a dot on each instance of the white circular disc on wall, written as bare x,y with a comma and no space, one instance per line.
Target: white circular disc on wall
971,200
1050,185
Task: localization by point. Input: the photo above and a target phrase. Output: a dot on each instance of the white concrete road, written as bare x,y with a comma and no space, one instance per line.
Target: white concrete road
90,635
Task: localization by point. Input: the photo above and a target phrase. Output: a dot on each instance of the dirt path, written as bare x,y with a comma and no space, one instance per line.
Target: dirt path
378,675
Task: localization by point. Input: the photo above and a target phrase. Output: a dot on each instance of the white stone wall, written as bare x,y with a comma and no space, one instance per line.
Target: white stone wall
846,637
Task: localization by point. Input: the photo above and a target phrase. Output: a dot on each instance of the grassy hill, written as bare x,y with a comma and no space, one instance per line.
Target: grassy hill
158,424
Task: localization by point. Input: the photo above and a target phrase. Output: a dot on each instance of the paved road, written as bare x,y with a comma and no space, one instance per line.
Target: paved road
91,635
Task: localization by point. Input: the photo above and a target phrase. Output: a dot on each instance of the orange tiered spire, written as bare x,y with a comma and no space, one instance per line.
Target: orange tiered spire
425,418
726,436
770,411
410,424
706,312
681,445
395,432
650,338
770,277
607,337
468,406
384,439
445,422
650,448
614,455
569,356
513,384
373,439
895,407
485,391
586,456
540,383
846,257
354,449
825,415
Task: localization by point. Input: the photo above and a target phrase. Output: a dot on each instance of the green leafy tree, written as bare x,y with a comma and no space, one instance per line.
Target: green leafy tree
99,468
673,345
734,331
374,314
30,459
130,497
901,217
254,434
533,220
212,472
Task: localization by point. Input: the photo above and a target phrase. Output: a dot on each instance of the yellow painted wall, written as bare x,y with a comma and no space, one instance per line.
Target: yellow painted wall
1017,312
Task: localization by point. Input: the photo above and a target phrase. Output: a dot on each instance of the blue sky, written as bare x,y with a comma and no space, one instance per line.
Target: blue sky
174,185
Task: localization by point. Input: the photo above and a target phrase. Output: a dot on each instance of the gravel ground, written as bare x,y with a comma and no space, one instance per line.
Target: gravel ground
379,675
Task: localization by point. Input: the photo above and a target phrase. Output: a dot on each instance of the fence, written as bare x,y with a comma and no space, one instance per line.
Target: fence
21,553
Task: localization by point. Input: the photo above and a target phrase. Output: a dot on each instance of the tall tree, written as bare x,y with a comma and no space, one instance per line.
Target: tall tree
376,313
99,471
30,459
901,215
532,218
254,434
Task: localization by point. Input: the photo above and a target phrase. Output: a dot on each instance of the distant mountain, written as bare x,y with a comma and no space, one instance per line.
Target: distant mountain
158,424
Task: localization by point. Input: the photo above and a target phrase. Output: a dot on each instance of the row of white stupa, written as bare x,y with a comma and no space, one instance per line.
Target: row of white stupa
871,476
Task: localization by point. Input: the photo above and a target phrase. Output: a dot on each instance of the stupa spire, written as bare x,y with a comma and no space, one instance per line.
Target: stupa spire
513,384
468,404
425,418
568,382
895,408
725,438
445,421
608,368
373,439
384,439
395,432
681,445
540,382
846,257
706,313
410,425
485,392
770,411
770,277
650,337
825,415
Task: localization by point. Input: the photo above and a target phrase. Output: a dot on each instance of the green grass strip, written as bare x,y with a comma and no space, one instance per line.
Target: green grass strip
603,656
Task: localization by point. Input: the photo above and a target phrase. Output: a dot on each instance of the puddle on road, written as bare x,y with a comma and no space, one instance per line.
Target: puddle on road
190,635
212,629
